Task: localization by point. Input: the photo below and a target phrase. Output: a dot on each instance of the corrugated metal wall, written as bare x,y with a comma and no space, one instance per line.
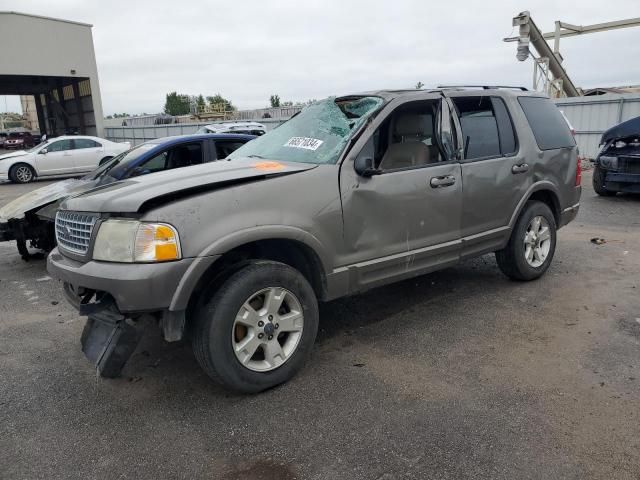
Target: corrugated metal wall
591,116
141,134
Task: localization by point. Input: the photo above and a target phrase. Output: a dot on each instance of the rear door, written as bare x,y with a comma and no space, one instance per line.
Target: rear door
87,154
495,173
58,159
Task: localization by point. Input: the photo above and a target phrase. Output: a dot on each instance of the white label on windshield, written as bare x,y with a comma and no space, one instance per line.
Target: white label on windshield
304,142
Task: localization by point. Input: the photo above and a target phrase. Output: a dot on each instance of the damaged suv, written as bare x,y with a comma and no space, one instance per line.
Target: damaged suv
352,193
617,167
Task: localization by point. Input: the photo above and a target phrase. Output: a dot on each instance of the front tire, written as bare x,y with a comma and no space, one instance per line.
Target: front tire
530,250
598,182
22,173
257,330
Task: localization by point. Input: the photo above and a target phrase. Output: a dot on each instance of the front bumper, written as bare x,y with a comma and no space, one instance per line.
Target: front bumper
6,232
622,182
135,288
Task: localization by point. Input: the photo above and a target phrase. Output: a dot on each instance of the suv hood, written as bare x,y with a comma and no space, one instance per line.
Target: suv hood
143,193
622,130
43,196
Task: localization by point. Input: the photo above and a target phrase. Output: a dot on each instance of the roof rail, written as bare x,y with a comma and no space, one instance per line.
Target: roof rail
484,87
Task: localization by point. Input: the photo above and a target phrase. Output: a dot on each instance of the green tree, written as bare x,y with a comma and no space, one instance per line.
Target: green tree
177,104
219,101
275,101
200,102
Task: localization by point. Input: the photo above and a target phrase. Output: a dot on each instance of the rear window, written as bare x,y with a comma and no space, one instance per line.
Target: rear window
549,127
486,127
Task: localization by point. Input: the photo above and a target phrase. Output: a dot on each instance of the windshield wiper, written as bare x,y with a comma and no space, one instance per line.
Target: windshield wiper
255,156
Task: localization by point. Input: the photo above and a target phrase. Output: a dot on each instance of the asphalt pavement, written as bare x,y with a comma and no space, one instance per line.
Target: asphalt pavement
458,374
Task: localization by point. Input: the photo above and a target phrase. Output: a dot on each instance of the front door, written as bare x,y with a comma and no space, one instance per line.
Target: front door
405,219
57,160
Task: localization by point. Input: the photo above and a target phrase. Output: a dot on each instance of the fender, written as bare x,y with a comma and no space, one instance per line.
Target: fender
213,252
536,187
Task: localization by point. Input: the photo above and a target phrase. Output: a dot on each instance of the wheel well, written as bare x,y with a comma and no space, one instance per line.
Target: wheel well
105,160
291,252
550,199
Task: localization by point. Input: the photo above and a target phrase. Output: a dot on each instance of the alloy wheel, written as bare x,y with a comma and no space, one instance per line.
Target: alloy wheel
24,174
267,329
537,241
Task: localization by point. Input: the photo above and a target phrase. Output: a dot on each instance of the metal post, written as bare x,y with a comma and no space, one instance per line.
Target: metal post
620,107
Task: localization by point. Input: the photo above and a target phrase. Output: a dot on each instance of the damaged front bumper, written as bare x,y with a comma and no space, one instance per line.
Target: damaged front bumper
6,232
119,300
622,182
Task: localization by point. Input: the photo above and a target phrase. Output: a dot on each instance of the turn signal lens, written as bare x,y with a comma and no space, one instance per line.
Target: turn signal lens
156,243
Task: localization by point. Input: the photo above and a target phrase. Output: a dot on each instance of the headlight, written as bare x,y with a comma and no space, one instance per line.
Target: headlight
609,162
132,241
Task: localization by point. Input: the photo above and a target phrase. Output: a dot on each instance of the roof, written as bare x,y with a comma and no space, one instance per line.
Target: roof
200,136
501,90
42,17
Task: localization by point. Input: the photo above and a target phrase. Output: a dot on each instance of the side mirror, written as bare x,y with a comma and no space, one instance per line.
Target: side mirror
364,167
43,151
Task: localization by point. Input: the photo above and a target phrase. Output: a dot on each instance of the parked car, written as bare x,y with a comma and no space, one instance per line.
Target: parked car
60,156
617,166
19,141
30,218
350,194
244,128
3,138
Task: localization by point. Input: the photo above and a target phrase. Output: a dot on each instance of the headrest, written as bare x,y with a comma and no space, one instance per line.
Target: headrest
409,124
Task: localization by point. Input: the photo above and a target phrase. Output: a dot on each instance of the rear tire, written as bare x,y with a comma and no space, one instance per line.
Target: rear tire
530,250
243,343
598,182
22,173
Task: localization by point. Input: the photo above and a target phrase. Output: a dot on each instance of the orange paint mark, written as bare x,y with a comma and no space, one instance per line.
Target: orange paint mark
268,165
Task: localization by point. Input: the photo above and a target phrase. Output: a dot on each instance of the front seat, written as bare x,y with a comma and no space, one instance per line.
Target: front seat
408,149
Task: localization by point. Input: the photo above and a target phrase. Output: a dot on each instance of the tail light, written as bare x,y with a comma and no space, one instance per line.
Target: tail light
578,171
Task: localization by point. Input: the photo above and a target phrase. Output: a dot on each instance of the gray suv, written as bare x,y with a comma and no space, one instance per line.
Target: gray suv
351,193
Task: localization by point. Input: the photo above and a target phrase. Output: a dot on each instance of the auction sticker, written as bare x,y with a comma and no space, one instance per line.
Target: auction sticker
304,142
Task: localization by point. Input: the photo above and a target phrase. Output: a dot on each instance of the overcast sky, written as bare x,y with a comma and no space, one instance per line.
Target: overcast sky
248,50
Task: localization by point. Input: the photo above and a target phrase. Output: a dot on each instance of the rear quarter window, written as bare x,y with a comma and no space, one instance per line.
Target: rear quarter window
549,127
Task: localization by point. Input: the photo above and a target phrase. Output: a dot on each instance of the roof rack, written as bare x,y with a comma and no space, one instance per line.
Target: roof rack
485,87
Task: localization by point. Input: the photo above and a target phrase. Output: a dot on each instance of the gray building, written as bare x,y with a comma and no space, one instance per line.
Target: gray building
56,64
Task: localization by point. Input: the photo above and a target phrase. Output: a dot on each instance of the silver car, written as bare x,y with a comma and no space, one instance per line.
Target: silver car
350,194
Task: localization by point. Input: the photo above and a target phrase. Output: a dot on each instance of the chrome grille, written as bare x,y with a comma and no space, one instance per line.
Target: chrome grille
73,231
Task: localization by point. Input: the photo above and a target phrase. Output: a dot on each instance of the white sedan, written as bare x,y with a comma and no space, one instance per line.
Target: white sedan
60,156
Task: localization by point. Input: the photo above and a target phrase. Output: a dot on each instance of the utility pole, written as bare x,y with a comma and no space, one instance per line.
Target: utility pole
548,71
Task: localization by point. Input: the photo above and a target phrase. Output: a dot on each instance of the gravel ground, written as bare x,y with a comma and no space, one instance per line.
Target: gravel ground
458,374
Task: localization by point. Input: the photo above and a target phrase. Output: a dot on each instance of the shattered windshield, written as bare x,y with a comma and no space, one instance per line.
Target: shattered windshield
318,134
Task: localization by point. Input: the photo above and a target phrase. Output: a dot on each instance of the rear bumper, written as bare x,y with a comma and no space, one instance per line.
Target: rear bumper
134,288
569,214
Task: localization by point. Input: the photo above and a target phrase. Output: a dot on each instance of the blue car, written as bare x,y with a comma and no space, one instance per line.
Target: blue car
30,218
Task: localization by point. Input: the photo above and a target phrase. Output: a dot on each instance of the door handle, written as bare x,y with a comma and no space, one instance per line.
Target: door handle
445,181
521,168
